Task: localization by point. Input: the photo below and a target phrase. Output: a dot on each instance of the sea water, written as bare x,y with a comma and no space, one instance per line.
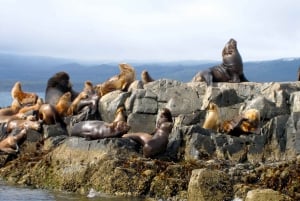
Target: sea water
20,193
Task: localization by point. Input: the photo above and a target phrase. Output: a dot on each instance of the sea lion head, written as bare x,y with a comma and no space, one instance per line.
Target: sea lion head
166,127
164,115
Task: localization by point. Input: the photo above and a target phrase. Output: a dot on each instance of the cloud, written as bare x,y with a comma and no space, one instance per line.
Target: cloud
162,30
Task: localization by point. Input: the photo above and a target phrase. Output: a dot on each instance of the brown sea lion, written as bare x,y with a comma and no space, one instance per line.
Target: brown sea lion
48,115
72,110
34,107
24,98
88,88
11,110
212,118
248,122
57,85
146,78
153,144
22,123
120,114
63,104
117,82
94,129
164,115
10,144
231,69
298,74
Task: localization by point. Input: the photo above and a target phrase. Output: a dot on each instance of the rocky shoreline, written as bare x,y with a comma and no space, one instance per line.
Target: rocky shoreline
199,164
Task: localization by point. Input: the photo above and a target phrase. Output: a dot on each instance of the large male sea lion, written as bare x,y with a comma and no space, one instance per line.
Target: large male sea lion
231,69
57,85
95,129
153,144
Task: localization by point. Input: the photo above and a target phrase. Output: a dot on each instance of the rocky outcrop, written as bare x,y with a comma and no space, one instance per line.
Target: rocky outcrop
198,164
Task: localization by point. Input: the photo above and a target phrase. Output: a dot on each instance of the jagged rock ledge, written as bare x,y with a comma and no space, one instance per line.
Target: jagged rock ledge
198,164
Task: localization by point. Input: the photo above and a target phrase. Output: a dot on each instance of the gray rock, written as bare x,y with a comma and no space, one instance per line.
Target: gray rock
209,185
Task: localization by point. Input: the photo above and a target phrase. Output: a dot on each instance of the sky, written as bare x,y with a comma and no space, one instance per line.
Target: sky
161,30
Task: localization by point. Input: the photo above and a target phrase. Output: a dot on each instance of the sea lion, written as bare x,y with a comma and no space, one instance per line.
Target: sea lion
48,115
164,115
248,122
24,98
72,110
57,85
22,123
212,118
88,88
117,82
146,78
63,104
11,110
10,144
153,144
120,114
33,108
231,69
95,129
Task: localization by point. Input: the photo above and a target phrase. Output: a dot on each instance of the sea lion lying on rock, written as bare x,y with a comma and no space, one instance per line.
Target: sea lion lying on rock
231,69
95,129
153,144
248,122
24,98
117,82
10,144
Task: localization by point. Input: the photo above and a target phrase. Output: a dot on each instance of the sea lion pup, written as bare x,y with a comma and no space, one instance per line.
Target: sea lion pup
212,118
117,82
10,144
22,123
146,78
24,98
57,85
153,144
248,122
63,104
231,69
95,129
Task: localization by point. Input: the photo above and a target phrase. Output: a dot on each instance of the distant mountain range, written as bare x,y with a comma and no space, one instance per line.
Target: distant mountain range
34,71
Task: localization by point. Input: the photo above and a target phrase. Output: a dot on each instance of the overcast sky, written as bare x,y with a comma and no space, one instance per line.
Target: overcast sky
150,29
